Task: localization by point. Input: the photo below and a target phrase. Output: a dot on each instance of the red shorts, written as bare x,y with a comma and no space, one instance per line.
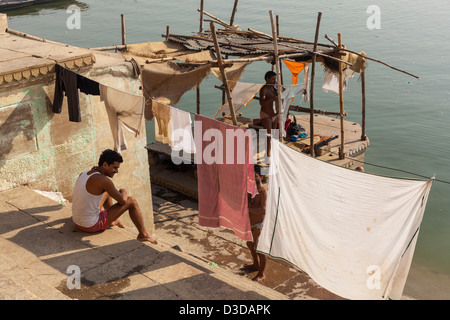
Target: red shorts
101,224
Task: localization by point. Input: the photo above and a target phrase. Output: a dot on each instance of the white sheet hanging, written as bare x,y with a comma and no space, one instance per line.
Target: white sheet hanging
354,233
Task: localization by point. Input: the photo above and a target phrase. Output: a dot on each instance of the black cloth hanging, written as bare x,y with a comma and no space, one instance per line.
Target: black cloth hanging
69,82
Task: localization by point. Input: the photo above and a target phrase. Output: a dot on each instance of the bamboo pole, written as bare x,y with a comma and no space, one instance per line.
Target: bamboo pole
311,90
341,103
234,12
198,99
278,33
363,89
167,32
328,113
201,17
122,22
222,72
109,48
277,65
28,36
219,21
331,40
334,43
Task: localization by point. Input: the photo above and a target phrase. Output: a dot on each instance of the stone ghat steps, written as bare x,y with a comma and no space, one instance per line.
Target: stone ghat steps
39,244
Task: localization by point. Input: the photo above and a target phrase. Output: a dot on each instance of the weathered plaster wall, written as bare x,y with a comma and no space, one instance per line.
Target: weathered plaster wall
47,152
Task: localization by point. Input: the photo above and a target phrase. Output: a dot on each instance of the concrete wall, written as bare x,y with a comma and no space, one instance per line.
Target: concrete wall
47,152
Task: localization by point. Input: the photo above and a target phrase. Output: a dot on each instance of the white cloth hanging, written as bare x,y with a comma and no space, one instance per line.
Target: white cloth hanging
306,83
181,134
331,80
353,233
241,95
125,110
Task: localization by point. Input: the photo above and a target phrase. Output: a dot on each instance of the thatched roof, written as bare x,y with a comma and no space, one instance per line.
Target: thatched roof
240,43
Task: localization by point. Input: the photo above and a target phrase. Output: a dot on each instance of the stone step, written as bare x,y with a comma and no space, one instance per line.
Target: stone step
38,241
11,290
20,284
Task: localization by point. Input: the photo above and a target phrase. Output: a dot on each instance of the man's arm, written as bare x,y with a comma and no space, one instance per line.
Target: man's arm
119,195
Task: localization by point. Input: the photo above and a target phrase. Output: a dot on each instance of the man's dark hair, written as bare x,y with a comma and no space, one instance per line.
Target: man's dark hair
269,74
109,156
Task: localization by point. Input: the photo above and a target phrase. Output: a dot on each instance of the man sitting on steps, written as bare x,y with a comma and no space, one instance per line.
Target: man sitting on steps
94,189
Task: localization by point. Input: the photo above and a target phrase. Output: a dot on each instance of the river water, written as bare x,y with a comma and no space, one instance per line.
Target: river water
407,118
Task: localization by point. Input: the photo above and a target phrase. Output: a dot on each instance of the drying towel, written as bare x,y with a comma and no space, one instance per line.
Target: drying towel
181,135
125,111
224,181
353,233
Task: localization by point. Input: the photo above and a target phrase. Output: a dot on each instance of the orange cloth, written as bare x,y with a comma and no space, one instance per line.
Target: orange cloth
295,67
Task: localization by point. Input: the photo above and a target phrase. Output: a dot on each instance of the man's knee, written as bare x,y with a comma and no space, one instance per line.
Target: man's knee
131,201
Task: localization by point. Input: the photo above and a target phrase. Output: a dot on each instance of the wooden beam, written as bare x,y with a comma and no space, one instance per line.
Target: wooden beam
217,19
278,71
198,99
234,12
222,72
311,90
341,103
121,47
308,110
122,23
363,91
201,17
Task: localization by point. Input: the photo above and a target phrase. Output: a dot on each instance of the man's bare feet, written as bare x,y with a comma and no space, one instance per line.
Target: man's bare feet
117,223
258,277
148,238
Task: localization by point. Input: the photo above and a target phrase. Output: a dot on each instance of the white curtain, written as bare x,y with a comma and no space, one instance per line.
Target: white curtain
354,233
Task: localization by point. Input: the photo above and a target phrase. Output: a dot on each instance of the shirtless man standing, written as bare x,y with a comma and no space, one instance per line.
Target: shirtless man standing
94,189
267,95
256,211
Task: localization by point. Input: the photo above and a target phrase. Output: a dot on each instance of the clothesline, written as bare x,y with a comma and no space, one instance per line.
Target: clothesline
193,113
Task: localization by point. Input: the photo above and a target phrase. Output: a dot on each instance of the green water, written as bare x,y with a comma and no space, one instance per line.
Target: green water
407,118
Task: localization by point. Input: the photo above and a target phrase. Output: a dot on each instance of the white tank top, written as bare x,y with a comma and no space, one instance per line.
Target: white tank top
85,206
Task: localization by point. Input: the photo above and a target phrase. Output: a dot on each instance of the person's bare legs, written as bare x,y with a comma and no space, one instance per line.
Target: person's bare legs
116,210
262,265
107,203
267,125
259,259
255,266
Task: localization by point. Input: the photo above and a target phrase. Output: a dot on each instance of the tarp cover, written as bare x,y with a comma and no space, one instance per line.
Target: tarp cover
354,233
